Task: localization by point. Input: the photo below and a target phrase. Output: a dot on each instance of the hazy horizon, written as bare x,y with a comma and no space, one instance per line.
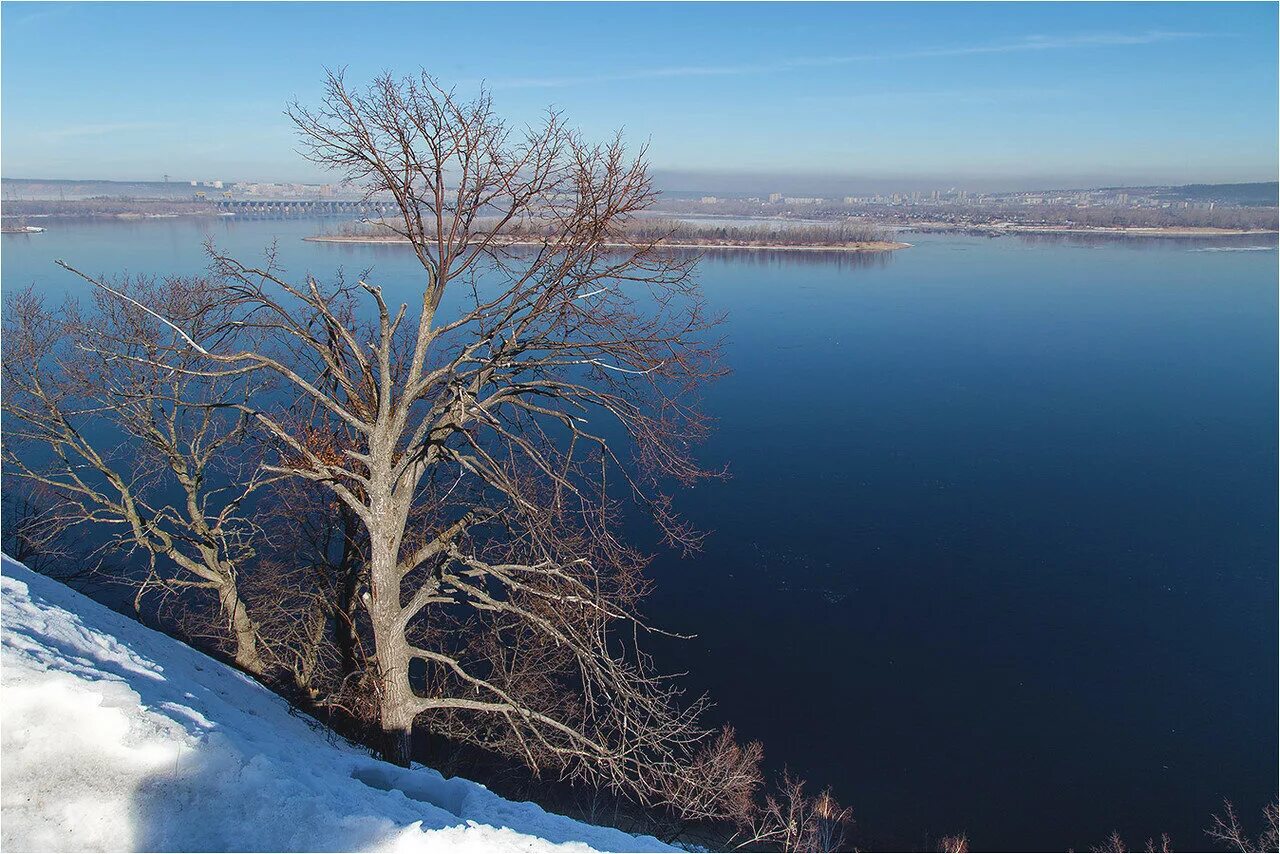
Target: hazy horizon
734,184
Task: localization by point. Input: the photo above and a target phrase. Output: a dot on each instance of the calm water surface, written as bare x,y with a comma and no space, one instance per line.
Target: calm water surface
998,554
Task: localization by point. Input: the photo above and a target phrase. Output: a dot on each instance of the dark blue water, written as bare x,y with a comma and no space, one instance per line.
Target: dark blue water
999,550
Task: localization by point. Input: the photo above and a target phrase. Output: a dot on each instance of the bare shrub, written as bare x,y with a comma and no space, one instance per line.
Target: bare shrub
790,820
1227,829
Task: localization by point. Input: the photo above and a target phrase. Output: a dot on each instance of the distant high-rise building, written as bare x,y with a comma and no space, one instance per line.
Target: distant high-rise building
774,198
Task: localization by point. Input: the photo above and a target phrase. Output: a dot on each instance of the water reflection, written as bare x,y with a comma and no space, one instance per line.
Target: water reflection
1259,242
793,258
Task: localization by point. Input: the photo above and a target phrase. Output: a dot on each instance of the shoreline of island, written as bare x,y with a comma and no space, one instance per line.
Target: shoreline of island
862,246
1107,230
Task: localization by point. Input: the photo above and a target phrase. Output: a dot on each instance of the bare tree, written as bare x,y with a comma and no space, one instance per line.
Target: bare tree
108,420
493,426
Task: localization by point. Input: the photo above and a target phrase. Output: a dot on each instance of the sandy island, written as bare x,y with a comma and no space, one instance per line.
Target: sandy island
864,246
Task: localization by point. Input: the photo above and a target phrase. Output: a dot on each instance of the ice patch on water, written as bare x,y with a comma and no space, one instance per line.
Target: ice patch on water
1234,249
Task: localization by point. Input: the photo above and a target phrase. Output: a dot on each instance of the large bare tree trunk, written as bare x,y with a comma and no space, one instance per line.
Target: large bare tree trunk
398,704
385,523
399,708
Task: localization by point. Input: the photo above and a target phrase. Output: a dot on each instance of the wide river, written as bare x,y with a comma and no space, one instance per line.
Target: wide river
999,549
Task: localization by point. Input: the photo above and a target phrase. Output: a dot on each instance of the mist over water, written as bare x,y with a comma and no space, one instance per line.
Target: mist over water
998,552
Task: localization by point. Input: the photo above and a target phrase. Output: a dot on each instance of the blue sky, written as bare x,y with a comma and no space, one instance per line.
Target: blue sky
972,94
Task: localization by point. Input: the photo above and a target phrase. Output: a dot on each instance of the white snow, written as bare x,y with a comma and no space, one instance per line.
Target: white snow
116,737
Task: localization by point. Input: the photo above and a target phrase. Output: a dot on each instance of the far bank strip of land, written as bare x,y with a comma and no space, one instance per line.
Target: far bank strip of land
1116,230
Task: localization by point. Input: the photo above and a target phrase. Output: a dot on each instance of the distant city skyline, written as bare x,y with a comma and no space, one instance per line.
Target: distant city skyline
828,192
799,98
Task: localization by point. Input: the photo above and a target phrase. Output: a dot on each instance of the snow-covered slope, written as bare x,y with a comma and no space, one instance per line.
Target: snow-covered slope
116,737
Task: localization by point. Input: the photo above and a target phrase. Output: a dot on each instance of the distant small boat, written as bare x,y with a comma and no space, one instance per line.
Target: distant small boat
21,229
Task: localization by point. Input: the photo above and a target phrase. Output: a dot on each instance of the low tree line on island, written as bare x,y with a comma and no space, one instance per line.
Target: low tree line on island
405,516
661,231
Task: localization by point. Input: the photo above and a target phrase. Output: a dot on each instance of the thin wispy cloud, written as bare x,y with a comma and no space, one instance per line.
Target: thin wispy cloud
45,12
1023,45
944,96
92,130
1033,43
